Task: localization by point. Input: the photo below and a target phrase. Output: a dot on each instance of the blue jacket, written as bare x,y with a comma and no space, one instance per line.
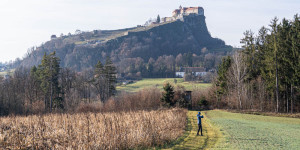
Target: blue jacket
199,118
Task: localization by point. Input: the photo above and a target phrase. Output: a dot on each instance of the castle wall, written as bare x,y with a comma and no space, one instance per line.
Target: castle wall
200,11
186,11
167,19
190,11
176,13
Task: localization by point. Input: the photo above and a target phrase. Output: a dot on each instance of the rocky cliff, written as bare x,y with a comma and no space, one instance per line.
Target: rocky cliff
171,38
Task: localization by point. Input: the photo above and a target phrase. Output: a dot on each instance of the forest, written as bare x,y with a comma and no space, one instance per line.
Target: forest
165,66
265,74
48,87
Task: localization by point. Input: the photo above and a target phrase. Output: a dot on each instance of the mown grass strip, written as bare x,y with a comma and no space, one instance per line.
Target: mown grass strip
209,140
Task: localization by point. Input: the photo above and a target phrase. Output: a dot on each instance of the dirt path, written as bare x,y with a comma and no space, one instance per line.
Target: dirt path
209,140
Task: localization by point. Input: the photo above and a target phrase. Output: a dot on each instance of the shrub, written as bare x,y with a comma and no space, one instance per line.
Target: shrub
89,107
168,95
203,101
180,97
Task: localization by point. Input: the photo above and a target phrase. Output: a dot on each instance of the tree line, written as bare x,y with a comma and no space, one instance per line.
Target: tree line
265,75
166,65
48,87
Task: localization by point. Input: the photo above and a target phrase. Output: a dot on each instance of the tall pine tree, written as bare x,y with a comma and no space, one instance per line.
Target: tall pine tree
48,73
168,95
111,79
100,81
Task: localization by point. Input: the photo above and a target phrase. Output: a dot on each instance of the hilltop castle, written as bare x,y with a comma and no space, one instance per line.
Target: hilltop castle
178,14
185,11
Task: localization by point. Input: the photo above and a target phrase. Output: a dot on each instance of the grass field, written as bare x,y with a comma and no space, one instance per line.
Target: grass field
7,72
3,73
225,130
158,82
244,131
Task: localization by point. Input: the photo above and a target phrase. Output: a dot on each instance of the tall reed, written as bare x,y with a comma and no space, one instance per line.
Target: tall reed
115,130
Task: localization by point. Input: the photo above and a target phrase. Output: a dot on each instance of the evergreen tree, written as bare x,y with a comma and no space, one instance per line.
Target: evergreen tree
48,73
261,47
223,68
34,80
99,70
285,59
158,19
250,50
274,35
99,80
168,95
295,58
188,59
111,80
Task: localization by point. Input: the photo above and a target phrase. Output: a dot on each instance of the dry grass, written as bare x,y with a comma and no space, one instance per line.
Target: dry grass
122,130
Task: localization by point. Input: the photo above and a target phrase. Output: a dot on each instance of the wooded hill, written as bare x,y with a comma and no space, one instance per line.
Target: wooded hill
83,49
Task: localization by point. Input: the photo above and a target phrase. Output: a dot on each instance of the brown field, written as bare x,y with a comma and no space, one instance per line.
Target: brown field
122,130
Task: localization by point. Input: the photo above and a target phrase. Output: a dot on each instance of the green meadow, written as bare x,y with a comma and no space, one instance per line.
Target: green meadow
2,73
7,72
244,131
159,82
226,130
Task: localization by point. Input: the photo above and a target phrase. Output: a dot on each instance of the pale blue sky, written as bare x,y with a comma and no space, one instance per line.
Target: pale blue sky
27,23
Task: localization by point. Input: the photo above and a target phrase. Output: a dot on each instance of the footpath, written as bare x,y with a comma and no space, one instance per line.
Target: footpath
209,140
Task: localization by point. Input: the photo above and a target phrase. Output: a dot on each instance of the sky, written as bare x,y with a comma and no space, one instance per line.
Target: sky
28,23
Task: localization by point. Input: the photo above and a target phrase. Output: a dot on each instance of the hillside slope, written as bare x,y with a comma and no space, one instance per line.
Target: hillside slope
83,50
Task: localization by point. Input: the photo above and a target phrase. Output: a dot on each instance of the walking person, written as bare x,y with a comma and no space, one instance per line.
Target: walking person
199,123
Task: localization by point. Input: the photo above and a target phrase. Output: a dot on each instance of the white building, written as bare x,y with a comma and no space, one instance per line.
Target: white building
196,71
184,11
178,14
180,74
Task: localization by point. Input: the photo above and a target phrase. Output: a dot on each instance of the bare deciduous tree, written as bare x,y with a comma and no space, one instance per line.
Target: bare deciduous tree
237,74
